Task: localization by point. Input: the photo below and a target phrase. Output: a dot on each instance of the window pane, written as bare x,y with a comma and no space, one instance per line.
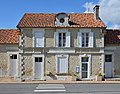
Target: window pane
85,59
36,59
40,59
84,67
84,74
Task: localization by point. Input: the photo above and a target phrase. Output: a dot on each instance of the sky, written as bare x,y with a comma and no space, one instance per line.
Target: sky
11,11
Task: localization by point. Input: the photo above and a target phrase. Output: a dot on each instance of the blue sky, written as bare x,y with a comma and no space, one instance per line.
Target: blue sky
11,11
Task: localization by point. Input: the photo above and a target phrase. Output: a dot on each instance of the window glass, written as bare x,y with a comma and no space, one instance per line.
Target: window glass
38,59
108,58
14,56
85,39
62,39
85,59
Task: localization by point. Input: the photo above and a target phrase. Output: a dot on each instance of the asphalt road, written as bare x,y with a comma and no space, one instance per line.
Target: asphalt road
59,88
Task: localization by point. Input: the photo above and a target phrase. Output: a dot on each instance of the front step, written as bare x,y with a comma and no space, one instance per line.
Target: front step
112,79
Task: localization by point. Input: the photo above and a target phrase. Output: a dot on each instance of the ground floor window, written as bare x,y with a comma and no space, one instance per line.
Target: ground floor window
62,65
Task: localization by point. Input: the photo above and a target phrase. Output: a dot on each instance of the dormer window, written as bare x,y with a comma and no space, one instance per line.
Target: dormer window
62,19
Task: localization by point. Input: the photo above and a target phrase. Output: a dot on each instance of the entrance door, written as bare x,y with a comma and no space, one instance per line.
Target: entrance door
85,67
108,65
38,73
84,70
12,67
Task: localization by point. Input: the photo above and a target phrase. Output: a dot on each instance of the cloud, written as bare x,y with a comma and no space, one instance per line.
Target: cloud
89,7
109,11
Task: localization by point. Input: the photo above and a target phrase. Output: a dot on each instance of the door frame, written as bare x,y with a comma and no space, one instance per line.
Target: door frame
110,53
89,65
8,69
33,58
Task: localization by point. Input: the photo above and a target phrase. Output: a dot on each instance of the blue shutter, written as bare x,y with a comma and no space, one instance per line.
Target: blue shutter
55,39
79,39
91,39
68,39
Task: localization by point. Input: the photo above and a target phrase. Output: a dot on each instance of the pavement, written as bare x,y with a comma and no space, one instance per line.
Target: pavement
11,80
66,82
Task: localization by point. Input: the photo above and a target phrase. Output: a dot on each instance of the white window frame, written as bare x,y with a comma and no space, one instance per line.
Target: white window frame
8,69
80,38
60,56
67,41
85,33
33,33
89,65
33,61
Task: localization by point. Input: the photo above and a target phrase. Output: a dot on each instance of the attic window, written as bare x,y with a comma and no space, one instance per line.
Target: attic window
62,20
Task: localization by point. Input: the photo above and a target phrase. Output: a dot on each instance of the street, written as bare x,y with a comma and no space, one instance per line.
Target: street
23,88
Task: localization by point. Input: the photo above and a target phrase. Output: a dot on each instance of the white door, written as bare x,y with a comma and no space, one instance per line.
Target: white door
39,68
108,69
62,65
108,65
12,66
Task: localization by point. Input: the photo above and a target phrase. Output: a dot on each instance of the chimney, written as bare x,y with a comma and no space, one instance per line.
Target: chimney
96,12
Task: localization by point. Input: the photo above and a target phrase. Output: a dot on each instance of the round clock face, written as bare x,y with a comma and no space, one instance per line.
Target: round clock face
62,20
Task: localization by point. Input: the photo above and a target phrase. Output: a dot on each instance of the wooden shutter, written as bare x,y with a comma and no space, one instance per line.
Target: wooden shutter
55,39
79,39
91,39
68,39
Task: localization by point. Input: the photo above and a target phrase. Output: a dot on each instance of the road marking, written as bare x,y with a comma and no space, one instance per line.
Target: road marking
50,90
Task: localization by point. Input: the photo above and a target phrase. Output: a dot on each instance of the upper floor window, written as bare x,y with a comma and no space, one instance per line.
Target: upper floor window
38,39
62,38
85,39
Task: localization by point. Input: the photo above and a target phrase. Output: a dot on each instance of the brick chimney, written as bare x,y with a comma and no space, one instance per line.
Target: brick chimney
96,12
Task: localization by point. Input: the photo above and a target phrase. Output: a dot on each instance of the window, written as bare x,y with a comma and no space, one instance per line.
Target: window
108,58
62,39
39,39
85,59
62,20
14,56
85,39
38,59
62,65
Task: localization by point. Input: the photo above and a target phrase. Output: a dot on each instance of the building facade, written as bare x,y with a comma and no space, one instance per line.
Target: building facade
62,47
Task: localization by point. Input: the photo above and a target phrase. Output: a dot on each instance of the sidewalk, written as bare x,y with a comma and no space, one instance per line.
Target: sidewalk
11,80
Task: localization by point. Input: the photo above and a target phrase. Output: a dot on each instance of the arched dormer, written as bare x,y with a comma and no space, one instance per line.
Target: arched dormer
62,19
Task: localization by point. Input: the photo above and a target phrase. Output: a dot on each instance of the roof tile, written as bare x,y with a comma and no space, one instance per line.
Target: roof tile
112,36
48,20
9,36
